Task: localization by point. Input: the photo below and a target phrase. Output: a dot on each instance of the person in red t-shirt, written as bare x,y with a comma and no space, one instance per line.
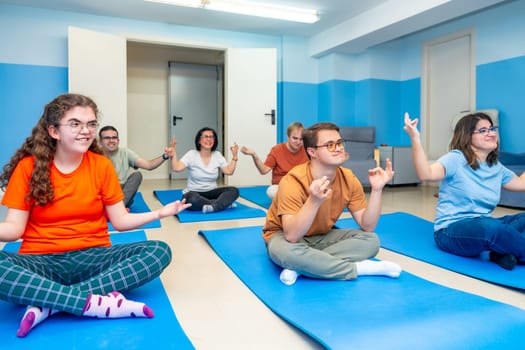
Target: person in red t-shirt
58,190
282,157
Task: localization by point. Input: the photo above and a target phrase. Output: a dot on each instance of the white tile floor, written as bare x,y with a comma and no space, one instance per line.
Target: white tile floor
218,312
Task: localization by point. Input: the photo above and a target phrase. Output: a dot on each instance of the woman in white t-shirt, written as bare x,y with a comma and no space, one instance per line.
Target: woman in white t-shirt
203,164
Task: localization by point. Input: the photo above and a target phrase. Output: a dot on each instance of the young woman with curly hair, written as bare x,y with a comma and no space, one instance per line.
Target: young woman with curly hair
59,190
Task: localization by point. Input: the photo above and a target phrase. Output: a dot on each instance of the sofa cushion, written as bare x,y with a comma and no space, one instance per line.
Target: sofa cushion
509,158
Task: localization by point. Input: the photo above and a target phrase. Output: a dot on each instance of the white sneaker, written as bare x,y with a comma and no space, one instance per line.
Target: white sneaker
288,277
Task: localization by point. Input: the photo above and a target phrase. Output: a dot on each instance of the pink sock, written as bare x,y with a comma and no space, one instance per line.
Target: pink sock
33,316
115,305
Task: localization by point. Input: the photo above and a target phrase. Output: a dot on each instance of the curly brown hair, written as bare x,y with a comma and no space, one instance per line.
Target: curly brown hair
462,139
42,147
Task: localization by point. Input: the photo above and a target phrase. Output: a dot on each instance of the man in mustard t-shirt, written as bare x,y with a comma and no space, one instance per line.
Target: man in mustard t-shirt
299,229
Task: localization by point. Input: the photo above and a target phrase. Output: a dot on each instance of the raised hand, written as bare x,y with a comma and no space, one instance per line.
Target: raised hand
234,149
247,151
320,188
169,151
379,177
173,208
173,144
411,126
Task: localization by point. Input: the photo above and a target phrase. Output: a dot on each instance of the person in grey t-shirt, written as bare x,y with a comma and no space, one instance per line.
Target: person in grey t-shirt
126,162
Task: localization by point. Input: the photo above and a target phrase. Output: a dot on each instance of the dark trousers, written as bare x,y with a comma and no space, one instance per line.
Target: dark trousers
219,198
130,187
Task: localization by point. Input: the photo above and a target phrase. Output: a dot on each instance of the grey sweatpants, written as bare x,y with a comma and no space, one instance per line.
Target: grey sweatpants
329,256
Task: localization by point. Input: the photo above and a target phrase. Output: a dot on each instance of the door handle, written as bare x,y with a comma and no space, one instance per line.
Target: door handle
272,114
175,119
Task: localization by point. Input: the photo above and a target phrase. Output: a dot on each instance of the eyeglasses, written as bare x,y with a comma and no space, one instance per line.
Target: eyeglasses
207,137
332,146
77,126
485,131
108,138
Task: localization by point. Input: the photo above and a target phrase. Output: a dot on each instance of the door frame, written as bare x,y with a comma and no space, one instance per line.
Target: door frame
425,80
231,135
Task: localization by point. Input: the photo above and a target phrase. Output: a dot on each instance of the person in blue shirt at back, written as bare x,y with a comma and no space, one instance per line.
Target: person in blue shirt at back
471,178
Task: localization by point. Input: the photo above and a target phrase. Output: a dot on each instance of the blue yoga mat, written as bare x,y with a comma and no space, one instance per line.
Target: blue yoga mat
371,312
257,195
240,212
64,331
412,236
139,206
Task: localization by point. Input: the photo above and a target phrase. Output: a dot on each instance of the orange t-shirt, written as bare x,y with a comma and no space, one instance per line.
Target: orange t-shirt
294,189
76,218
281,160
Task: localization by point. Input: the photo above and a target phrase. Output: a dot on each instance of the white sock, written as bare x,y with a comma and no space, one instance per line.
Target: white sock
233,205
378,268
288,277
114,305
207,208
33,316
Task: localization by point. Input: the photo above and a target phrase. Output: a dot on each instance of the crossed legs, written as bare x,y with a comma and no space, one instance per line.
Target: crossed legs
83,283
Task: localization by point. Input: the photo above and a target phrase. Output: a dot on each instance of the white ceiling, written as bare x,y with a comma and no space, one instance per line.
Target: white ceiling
344,25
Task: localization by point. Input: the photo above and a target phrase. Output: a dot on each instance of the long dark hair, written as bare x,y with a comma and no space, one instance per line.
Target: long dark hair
42,147
199,135
462,139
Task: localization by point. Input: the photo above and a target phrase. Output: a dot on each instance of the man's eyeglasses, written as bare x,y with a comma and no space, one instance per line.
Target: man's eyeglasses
77,126
332,146
485,131
110,138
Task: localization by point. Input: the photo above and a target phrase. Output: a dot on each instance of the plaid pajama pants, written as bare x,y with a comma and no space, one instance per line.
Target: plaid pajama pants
64,281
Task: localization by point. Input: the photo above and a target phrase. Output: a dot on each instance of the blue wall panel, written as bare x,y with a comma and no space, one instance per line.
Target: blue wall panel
500,85
385,104
337,102
24,90
363,98
411,103
299,104
343,102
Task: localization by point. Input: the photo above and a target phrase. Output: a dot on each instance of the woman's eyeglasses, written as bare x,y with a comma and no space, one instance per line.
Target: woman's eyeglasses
77,126
332,146
485,131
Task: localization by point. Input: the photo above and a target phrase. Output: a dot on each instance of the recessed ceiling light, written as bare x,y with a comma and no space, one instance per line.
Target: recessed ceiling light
250,8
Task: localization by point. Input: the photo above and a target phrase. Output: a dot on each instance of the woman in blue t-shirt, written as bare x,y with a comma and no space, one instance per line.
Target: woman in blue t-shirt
471,178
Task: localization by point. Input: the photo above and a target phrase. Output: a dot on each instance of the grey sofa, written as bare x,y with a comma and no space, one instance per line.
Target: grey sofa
516,163
360,145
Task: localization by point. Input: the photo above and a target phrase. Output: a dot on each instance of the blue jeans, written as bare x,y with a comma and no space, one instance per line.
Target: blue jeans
470,237
219,198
